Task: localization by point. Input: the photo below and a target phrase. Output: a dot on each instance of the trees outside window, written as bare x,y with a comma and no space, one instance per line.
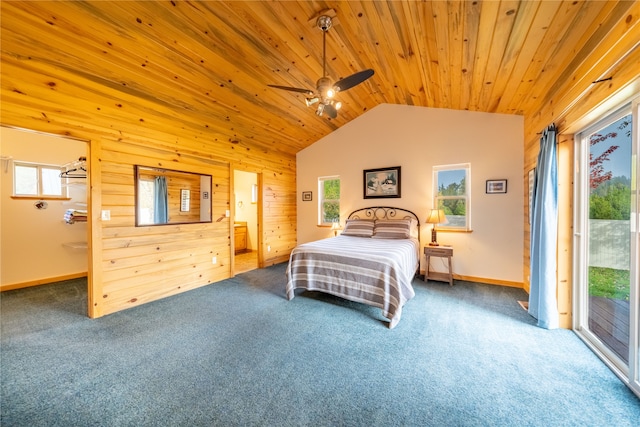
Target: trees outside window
451,194
610,188
329,200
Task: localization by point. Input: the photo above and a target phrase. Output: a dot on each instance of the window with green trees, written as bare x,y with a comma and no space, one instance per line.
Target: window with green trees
610,186
329,203
610,190
451,194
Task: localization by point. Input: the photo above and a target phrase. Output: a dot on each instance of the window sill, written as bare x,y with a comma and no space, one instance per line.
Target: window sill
40,198
453,230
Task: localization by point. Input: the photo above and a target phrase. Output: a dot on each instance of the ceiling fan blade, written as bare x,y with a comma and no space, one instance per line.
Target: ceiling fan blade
353,80
293,89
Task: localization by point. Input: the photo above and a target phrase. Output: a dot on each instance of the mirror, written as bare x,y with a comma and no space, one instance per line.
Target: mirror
165,196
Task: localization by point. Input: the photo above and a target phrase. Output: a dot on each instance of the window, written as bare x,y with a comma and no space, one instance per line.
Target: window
451,186
146,195
37,180
329,200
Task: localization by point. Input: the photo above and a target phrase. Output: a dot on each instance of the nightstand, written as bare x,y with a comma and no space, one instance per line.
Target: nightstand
442,252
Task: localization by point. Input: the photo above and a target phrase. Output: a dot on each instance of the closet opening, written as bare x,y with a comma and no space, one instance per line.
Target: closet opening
45,220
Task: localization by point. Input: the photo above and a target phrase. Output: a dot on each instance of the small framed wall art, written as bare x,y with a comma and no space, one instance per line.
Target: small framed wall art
307,196
496,186
185,200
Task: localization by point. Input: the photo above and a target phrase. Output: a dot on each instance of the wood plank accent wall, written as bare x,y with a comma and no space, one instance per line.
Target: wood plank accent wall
141,264
569,104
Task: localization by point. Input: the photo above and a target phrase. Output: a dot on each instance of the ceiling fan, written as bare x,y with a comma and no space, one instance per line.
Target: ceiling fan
325,88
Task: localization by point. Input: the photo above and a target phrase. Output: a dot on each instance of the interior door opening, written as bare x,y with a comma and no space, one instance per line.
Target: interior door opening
245,222
46,221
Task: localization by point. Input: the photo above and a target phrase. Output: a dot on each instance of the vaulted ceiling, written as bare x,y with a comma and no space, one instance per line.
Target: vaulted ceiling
208,63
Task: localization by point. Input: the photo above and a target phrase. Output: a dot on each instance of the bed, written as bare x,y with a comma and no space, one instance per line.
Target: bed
372,262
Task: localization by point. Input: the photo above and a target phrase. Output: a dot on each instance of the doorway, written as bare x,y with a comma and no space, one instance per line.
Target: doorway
46,224
606,238
245,221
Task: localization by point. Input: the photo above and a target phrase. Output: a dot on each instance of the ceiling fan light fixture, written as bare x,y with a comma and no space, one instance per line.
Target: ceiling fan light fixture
326,90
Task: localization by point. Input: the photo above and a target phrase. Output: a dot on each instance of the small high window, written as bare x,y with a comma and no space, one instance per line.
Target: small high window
38,180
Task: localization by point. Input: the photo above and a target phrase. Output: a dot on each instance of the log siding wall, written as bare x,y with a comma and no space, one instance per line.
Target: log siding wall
135,265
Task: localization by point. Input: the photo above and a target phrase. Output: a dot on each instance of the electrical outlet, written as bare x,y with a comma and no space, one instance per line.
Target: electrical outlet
268,248
227,213
214,260
106,215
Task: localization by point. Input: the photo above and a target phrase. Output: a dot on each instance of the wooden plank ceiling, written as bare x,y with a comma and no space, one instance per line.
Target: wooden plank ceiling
209,63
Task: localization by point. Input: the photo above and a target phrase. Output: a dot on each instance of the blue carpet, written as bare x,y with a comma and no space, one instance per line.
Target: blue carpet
238,353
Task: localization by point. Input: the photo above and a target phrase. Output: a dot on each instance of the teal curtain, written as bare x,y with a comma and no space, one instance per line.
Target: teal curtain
544,234
160,203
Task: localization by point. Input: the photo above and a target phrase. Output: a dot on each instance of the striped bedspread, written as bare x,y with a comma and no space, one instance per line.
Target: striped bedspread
377,272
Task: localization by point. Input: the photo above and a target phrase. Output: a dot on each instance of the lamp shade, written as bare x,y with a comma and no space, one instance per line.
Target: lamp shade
335,227
437,216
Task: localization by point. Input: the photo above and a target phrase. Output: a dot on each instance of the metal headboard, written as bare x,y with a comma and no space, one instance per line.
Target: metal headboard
384,212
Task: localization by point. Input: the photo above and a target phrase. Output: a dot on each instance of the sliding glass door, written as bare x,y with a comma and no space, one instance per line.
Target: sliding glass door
606,241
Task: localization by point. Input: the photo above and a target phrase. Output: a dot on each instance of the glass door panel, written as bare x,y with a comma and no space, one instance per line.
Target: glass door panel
609,234
607,242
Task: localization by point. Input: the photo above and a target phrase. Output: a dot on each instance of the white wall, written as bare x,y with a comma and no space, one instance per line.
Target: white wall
418,138
32,240
246,211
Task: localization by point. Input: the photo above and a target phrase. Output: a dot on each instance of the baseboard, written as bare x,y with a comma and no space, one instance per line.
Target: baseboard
39,282
276,260
486,280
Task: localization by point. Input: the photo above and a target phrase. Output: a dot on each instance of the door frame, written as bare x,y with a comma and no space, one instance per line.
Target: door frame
259,180
629,374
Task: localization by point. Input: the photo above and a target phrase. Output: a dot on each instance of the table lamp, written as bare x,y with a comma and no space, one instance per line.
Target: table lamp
335,227
436,216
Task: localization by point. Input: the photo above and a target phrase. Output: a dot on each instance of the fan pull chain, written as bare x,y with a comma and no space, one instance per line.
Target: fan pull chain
324,54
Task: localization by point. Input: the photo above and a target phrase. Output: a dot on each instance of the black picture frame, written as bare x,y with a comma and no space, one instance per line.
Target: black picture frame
382,183
496,186
307,196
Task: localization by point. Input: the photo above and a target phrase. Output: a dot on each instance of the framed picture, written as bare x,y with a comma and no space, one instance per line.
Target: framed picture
307,196
496,186
185,199
381,183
